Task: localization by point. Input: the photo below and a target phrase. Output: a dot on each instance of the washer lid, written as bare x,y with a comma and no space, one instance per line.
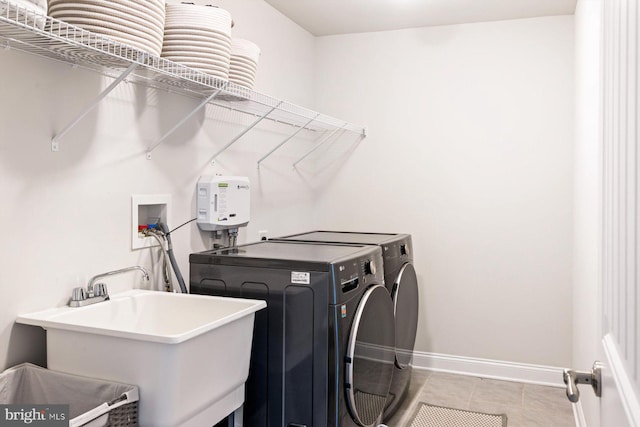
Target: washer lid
285,254
405,308
346,237
370,356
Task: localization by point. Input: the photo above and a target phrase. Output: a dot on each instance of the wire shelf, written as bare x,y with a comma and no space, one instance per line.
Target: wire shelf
38,34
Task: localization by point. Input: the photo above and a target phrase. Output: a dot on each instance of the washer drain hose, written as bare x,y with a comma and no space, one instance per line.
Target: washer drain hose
172,258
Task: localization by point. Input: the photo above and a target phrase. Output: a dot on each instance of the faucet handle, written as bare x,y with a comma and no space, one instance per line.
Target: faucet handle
100,290
78,294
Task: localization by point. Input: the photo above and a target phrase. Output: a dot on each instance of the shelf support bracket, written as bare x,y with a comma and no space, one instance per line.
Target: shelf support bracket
55,145
244,132
184,120
288,139
320,144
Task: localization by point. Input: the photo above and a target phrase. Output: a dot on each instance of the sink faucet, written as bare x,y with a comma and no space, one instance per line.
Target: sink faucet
97,292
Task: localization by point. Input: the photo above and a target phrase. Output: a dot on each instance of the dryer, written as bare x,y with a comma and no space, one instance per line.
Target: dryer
402,283
323,349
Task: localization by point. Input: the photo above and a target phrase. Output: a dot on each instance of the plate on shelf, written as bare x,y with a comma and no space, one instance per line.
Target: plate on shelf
220,66
198,42
246,48
196,55
244,60
238,73
128,26
118,36
234,76
204,28
243,65
202,48
193,32
115,10
200,19
96,20
196,47
155,7
247,72
197,12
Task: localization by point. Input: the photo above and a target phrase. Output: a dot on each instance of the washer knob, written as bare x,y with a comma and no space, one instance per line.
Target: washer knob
369,267
404,250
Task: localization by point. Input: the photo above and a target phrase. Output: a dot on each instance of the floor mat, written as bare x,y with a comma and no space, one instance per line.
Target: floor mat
437,416
369,406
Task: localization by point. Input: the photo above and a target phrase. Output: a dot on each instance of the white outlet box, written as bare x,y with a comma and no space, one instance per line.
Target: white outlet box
263,234
147,209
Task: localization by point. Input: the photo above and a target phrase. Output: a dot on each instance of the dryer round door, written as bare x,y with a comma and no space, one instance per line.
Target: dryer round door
370,356
405,309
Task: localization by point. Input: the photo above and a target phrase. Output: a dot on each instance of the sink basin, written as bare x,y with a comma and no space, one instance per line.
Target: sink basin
188,354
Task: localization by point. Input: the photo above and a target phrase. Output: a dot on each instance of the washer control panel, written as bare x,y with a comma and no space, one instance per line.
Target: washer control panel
362,271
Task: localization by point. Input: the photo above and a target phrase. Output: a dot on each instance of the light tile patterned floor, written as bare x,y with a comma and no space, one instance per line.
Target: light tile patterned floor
526,405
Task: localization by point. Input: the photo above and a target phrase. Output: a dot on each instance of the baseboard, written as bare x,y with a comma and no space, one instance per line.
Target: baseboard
578,414
486,368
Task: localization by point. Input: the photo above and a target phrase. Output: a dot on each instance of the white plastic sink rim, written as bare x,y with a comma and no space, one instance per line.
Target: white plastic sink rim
144,315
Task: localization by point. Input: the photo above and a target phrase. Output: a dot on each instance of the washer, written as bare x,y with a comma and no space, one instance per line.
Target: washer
402,283
323,349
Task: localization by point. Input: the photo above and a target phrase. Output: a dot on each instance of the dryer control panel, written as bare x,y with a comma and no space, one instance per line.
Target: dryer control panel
362,271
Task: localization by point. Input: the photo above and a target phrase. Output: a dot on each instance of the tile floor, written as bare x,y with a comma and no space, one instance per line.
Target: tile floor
526,405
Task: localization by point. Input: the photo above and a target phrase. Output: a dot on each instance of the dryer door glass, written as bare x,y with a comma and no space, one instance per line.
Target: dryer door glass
405,307
370,356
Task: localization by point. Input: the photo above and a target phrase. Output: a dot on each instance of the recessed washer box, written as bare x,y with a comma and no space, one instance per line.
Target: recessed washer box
148,209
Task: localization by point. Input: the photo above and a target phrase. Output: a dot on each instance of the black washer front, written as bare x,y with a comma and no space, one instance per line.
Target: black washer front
370,356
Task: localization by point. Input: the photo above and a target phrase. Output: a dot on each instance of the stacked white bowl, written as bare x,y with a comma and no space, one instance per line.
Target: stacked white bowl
198,37
244,62
137,23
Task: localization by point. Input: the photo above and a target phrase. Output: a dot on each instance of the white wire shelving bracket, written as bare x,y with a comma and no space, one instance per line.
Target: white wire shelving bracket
244,132
28,31
55,146
181,122
319,144
287,140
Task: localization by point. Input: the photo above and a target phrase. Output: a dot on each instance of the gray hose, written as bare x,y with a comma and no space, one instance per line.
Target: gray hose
172,258
165,269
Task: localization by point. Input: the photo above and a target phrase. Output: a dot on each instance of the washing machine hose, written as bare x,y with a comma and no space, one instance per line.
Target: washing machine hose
172,258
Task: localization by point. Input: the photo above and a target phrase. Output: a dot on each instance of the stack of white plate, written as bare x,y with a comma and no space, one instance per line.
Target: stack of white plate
137,23
198,37
244,62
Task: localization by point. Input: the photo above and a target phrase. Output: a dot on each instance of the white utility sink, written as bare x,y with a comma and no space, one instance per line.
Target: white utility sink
188,354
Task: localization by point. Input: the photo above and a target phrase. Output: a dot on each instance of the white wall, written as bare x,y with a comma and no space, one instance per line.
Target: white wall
586,314
469,150
66,216
472,123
